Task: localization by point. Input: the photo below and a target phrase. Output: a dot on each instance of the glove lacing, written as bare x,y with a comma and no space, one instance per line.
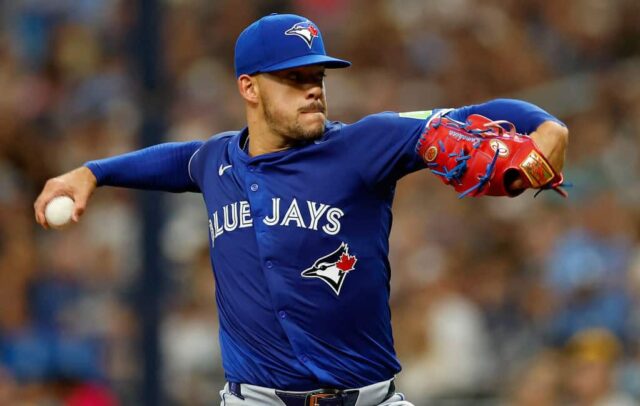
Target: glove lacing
455,174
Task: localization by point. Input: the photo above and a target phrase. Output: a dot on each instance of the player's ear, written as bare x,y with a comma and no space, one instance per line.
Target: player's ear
248,88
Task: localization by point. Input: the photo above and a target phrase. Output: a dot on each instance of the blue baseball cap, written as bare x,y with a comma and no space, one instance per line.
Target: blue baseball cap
281,41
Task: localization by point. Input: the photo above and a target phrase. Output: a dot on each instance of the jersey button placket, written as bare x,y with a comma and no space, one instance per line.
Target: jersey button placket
254,187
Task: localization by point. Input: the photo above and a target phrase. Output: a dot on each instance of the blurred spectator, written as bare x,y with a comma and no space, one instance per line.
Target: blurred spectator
539,382
587,272
592,356
455,355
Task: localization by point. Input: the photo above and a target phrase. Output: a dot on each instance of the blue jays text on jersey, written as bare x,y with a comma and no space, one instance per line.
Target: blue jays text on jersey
238,215
299,241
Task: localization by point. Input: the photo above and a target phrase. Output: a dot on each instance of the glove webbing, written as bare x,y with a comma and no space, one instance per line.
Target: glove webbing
454,174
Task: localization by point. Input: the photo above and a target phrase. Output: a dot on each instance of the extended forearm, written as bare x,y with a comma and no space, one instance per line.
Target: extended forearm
160,167
525,116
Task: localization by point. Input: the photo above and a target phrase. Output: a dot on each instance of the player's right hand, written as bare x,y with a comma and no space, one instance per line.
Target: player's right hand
78,184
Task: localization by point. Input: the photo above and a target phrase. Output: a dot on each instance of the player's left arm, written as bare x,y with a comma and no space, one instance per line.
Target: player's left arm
550,134
387,142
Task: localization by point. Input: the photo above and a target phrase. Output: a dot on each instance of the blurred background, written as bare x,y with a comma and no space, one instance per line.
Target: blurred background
495,301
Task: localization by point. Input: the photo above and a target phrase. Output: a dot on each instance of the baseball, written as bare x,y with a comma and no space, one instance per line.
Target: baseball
59,210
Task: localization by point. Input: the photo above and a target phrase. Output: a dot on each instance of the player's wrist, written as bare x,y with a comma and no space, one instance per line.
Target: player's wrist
88,177
551,139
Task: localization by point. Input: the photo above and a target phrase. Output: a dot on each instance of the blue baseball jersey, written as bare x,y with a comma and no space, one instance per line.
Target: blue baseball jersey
299,245
299,241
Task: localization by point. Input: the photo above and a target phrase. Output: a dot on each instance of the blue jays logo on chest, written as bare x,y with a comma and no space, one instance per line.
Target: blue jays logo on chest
333,268
305,30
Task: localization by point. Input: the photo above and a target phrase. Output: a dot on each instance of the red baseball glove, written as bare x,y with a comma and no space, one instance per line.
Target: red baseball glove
479,157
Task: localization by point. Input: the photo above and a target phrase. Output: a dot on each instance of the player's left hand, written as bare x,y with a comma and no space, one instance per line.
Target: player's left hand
551,139
484,157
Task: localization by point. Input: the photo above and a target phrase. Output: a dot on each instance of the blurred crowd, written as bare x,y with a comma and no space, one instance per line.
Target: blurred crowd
495,301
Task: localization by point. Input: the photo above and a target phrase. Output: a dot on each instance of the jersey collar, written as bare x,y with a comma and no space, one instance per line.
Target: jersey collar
237,151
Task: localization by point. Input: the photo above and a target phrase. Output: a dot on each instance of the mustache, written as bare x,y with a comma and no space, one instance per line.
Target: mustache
315,107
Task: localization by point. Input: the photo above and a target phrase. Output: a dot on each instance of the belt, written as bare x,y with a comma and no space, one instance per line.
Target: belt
320,397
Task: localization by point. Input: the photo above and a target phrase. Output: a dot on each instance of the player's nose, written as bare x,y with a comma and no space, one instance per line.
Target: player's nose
314,92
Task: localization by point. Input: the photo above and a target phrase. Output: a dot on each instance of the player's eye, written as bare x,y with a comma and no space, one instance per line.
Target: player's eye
302,79
294,77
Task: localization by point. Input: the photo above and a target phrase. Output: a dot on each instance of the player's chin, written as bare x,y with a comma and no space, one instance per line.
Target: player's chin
313,126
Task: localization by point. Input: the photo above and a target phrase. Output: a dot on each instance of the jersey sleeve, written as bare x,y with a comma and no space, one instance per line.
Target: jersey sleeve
382,146
162,167
524,115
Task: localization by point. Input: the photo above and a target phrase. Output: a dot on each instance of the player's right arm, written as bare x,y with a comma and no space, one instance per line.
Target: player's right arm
160,167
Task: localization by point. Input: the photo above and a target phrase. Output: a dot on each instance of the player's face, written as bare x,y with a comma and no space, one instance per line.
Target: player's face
293,102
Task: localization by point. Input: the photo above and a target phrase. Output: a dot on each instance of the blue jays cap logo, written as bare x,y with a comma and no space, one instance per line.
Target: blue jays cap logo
333,268
304,30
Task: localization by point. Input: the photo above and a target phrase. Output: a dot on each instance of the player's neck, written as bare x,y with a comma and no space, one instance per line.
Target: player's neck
262,140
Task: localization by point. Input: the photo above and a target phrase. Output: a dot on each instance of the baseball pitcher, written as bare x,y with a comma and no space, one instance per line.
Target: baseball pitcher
299,213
